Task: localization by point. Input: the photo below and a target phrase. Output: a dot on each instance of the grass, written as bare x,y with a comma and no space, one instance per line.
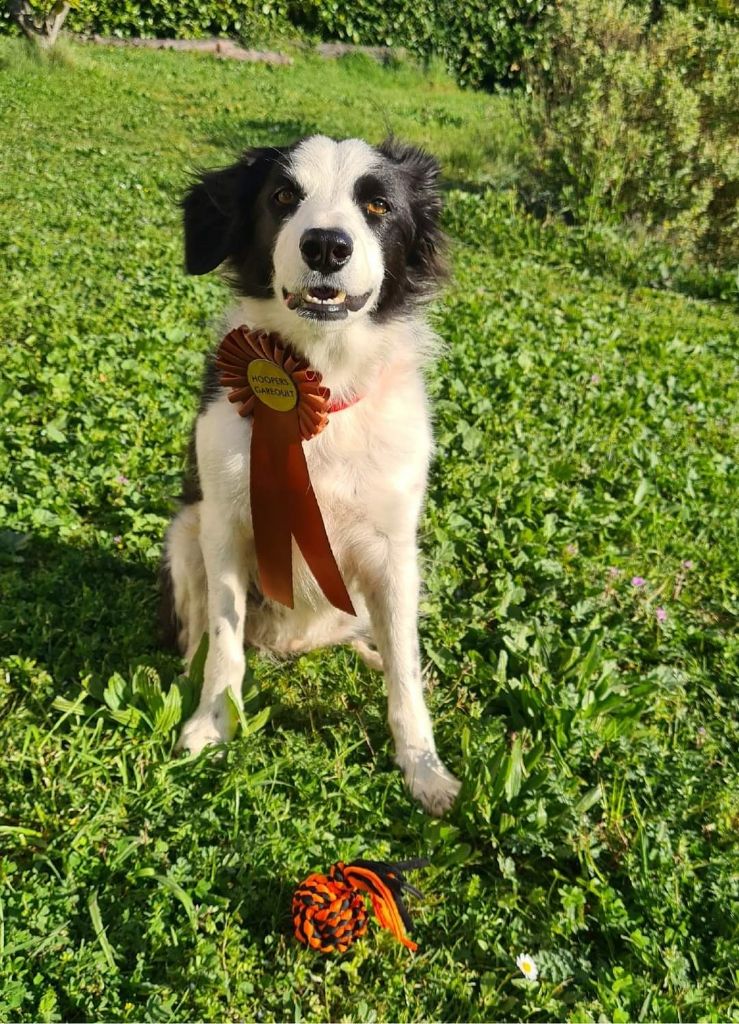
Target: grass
586,436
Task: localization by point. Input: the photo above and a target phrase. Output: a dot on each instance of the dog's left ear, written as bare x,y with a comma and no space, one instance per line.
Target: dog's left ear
426,254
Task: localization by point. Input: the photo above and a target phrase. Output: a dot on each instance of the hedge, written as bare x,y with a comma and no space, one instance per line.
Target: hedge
482,42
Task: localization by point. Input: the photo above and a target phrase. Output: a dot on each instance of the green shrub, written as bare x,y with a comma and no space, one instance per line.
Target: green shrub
482,42
249,20
638,122
722,9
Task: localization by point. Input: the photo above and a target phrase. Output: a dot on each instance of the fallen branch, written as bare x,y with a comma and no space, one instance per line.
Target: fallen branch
223,48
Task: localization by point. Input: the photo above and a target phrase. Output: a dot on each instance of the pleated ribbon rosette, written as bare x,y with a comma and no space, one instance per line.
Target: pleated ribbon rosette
289,405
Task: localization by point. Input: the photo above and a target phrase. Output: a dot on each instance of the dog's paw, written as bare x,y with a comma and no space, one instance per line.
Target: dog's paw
369,655
204,729
430,782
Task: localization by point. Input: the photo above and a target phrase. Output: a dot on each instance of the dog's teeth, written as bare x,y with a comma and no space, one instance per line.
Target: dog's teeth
335,300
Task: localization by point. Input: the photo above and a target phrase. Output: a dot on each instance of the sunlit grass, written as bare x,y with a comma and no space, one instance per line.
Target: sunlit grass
585,439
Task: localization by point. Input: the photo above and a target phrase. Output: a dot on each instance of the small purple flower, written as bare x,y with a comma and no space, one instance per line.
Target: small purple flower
661,614
688,563
571,550
613,572
637,581
117,539
121,479
595,378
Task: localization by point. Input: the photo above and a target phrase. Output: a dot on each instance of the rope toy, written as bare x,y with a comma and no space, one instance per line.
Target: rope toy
329,911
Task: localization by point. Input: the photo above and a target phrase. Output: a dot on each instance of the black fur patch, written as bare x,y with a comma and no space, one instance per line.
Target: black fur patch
168,624
228,218
412,242
192,492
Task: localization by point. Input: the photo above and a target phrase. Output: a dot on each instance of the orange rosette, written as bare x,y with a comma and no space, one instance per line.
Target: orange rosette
289,405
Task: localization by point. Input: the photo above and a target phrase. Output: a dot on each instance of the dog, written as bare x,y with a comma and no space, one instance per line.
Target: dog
336,246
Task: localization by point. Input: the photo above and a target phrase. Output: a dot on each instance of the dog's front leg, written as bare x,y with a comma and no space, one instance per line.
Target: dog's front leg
223,547
392,599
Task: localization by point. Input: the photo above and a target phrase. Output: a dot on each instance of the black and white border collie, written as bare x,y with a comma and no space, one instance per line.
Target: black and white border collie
334,245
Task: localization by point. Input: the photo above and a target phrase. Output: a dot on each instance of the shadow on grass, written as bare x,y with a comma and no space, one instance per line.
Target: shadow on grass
258,896
82,611
77,610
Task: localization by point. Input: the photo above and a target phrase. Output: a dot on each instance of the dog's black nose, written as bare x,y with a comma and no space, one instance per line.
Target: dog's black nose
326,249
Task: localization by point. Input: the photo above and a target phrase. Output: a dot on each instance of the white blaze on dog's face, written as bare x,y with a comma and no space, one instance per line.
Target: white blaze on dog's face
328,261
320,235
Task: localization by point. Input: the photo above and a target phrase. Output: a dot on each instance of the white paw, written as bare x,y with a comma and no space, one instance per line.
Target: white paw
369,655
430,782
205,729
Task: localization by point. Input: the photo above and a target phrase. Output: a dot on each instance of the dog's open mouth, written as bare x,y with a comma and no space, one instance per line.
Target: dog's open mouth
323,303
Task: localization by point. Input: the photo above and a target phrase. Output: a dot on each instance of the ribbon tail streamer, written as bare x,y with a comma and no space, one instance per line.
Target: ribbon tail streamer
272,435
310,533
283,505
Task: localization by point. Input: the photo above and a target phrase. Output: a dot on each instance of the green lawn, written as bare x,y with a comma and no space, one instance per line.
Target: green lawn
586,439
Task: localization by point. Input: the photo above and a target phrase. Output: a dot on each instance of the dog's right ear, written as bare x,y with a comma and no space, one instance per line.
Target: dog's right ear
210,213
218,208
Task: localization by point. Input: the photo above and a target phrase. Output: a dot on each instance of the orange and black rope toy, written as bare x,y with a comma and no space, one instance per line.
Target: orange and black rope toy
329,911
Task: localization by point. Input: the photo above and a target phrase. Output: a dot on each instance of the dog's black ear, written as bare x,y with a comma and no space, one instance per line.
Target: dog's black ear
210,213
426,254
218,208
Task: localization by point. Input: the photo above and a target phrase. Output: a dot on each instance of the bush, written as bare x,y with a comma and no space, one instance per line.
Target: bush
722,9
482,42
249,20
639,122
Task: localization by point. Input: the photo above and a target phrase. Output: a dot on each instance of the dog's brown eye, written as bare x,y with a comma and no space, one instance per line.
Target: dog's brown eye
286,197
378,207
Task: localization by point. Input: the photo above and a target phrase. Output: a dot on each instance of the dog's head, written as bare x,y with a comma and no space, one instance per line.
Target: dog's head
324,232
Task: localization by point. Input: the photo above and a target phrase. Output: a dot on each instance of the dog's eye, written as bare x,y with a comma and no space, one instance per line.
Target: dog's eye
378,207
285,197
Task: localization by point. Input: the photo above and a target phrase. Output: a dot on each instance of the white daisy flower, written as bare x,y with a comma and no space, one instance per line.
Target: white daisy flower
527,967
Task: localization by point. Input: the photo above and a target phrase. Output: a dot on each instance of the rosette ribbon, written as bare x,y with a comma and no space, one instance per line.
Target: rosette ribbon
289,405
